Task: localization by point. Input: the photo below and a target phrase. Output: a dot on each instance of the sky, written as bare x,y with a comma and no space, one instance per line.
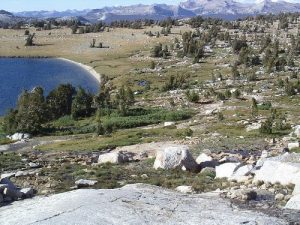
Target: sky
59,5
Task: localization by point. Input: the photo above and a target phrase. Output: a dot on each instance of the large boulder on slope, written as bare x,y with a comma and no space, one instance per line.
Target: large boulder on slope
175,157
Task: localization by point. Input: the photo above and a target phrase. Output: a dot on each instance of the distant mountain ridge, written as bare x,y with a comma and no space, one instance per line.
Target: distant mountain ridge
226,9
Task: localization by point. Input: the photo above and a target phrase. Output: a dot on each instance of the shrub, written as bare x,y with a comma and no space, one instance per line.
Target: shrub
265,106
143,120
266,127
192,96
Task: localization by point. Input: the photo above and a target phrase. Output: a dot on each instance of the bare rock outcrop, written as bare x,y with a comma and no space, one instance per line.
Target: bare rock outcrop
132,204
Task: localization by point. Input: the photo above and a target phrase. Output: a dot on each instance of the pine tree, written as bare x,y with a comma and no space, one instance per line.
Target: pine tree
254,108
82,104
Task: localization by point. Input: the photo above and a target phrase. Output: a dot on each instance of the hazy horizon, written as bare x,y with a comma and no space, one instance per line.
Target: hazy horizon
61,5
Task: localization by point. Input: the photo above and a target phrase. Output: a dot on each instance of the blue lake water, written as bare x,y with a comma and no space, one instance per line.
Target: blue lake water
18,74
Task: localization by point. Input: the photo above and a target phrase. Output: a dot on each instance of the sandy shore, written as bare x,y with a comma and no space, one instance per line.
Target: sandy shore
93,72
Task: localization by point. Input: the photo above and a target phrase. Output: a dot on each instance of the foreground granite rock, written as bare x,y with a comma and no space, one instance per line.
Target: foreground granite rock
132,204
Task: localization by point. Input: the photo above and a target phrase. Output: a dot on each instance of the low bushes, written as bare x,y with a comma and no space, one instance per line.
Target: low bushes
143,120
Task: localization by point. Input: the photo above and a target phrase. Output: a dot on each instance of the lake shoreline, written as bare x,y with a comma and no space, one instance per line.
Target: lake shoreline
89,69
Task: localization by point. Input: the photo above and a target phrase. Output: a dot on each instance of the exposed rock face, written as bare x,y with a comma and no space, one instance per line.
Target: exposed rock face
113,157
132,204
284,169
175,157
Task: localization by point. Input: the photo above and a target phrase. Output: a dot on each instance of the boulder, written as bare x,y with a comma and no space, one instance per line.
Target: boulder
19,136
241,174
293,145
1,198
294,203
24,173
264,155
85,183
34,165
169,124
254,126
284,169
7,175
231,159
175,157
203,158
185,189
113,157
279,197
131,204
296,131
226,170
205,161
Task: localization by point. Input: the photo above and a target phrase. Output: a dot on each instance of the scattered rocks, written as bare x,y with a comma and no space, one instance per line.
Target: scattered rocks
175,157
244,195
